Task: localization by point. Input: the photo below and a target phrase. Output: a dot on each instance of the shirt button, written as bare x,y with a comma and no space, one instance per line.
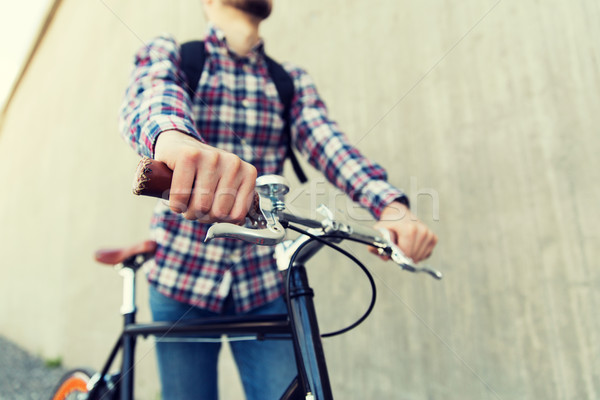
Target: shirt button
243,142
246,103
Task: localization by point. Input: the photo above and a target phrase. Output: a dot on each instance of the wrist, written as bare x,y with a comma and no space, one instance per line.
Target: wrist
167,135
394,211
169,140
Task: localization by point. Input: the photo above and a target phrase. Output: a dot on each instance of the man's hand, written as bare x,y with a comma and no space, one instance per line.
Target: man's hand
410,235
209,184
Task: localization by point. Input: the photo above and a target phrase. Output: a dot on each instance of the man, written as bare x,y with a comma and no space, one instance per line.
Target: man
217,143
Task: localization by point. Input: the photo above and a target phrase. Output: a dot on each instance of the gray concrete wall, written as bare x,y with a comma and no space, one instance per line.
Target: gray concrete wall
486,112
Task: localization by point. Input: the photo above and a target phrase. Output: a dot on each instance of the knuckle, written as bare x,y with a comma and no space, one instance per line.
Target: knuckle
234,163
411,230
226,194
210,159
190,156
252,173
249,171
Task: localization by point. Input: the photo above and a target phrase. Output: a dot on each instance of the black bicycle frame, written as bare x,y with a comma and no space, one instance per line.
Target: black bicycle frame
300,325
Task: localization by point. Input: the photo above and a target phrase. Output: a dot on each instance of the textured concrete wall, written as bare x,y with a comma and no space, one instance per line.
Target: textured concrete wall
486,112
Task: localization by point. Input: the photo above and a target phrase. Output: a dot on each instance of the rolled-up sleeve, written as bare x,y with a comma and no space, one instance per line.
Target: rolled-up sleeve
320,140
156,99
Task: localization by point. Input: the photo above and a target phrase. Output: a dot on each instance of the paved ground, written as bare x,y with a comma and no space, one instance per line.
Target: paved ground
23,376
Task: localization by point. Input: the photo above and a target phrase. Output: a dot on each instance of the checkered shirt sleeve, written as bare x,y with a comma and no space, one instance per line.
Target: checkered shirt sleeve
156,100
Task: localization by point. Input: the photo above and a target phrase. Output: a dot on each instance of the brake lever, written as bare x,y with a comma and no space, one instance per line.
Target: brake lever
266,236
406,263
269,231
266,229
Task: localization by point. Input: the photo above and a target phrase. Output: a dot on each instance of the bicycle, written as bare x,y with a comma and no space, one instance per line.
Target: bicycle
268,222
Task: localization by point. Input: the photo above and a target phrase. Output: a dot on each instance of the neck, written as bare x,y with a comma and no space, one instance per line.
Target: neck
240,29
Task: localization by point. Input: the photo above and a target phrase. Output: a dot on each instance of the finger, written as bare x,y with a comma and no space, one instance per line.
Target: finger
227,190
405,240
421,243
184,174
432,243
245,195
427,242
206,181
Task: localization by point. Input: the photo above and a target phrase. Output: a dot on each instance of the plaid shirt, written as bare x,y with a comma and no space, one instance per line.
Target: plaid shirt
236,108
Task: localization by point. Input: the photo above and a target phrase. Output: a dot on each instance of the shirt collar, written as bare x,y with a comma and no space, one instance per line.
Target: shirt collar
217,44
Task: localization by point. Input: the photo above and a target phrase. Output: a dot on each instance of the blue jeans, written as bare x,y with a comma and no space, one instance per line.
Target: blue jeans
188,370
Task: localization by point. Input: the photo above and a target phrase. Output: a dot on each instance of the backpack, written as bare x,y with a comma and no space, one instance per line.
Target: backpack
192,63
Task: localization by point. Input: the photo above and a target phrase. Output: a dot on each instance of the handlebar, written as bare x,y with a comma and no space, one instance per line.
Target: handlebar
269,219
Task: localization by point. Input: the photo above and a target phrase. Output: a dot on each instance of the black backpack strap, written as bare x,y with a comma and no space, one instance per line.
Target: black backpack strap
192,63
285,87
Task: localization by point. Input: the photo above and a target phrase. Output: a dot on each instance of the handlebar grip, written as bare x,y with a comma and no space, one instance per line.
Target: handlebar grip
152,178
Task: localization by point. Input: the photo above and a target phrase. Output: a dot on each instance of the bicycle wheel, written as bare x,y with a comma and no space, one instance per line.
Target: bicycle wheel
72,385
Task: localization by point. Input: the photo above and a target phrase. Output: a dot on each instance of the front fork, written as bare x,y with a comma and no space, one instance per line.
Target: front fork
310,357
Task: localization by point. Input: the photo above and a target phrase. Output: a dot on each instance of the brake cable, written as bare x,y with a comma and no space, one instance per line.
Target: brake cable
345,253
